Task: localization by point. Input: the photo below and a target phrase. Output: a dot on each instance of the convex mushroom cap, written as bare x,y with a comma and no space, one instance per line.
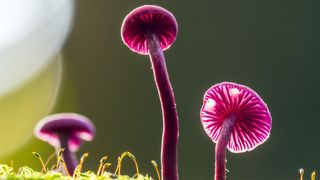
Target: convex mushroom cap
75,126
252,118
146,21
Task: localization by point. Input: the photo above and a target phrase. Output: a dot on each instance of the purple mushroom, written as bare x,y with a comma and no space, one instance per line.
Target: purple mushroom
149,30
65,130
234,117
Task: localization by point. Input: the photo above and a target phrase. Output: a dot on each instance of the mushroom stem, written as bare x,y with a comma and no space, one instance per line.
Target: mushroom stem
170,133
221,147
70,158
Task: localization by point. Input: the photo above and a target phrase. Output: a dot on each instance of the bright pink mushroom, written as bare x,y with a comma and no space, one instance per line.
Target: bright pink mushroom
234,117
67,131
147,24
149,30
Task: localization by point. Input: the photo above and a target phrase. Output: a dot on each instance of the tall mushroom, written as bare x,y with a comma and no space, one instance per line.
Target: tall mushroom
234,117
65,130
148,30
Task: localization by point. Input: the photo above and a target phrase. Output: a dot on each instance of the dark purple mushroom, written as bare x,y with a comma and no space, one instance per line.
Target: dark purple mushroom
234,117
149,30
65,130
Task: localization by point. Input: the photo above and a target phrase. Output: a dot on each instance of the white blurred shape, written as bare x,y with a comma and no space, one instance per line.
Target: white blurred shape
22,108
31,34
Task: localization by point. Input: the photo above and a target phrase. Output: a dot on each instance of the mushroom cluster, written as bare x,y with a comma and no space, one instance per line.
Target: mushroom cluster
233,115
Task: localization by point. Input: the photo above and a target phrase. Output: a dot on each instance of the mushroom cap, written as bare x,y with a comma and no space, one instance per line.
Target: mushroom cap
77,127
253,119
145,21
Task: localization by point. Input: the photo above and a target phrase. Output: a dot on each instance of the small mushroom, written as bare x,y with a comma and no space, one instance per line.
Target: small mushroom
65,130
234,117
149,30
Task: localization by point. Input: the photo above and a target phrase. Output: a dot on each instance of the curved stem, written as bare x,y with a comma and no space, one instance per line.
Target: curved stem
221,147
170,133
70,158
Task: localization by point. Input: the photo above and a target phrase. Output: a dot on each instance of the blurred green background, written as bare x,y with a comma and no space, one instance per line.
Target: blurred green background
271,46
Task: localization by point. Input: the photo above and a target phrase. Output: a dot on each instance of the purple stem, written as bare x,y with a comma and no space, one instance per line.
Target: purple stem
221,147
170,133
70,158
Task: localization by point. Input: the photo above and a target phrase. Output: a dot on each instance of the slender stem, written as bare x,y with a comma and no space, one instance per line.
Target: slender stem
170,133
70,158
221,147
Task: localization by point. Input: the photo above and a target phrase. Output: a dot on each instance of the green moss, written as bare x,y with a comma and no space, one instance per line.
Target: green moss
7,172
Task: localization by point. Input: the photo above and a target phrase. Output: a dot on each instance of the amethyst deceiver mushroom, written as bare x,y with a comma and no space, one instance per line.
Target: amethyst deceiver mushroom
234,117
149,30
65,130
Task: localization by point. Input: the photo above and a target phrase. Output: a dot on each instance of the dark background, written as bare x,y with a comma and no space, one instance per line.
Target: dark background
270,46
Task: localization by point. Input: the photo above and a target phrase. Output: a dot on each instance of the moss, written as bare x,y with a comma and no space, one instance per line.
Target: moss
7,172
